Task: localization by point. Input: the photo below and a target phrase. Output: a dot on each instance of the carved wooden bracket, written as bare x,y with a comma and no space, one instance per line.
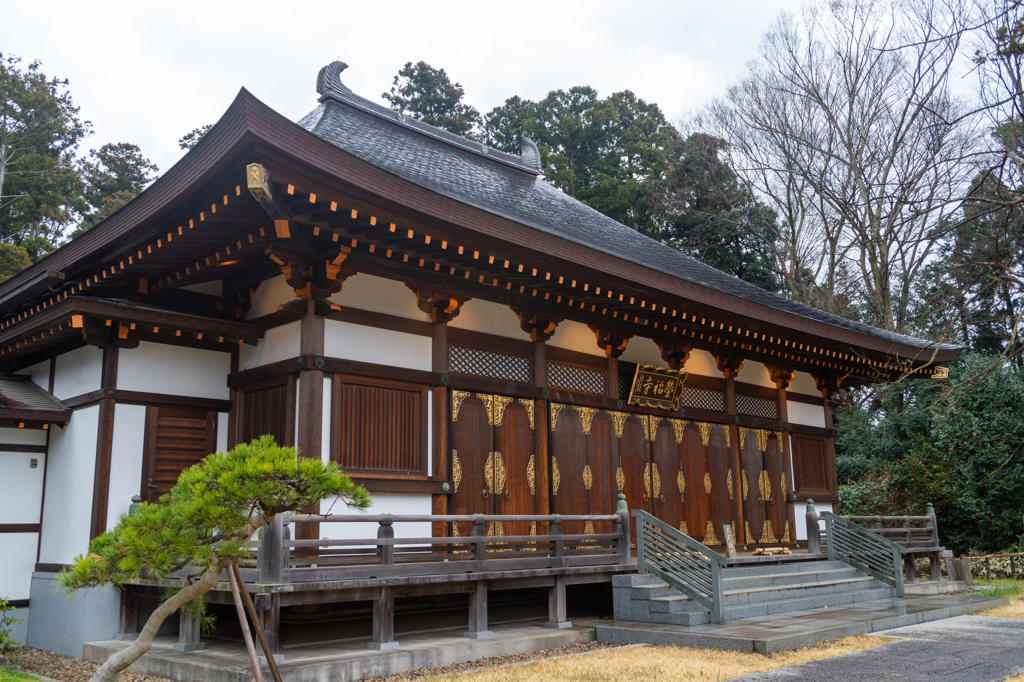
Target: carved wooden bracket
828,383
237,303
612,343
780,375
440,305
729,366
675,355
540,327
311,274
116,334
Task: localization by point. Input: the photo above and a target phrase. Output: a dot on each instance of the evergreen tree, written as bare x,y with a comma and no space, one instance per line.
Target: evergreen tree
503,125
114,175
425,93
191,139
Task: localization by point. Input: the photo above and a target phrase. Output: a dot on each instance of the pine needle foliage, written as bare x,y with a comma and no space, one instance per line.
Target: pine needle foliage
211,513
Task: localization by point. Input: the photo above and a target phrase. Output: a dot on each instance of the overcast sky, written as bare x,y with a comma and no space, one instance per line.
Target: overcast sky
148,73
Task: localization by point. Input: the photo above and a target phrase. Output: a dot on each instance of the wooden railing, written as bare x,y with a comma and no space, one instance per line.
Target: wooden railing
282,559
865,550
687,565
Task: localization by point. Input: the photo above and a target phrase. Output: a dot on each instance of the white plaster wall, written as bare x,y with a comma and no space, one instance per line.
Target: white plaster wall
383,503
214,288
380,295
17,561
78,372
272,294
803,383
325,422
69,476
701,362
125,459
755,373
380,346
576,336
174,370
800,510
643,351
279,343
491,318
23,436
808,415
222,431
40,373
22,487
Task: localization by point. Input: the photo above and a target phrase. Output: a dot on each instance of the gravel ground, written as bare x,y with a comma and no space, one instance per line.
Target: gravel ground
498,661
63,668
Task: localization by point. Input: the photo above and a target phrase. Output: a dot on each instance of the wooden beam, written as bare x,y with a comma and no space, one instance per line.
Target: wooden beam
104,444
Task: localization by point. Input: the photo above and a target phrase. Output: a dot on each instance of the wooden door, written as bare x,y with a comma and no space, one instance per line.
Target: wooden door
719,476
753,442
635,459
472,443
175,439
691,485
603,457
514,441
776,476
667,460
570,467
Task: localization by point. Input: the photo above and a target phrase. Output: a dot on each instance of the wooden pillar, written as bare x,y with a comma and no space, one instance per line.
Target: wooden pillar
782,378
730,367
270,621
613,343
557,615
540,364
104,443
310,397
235,398
439,426
128,623
478,613
383,621
188,632
541,434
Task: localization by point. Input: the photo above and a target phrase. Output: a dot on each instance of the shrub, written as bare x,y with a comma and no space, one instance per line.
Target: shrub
7,643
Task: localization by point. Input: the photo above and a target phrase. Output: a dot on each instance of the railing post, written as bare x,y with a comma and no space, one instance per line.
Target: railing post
556,529
478,531
622,527
813,529
386,553
829,539
128,626
898,573
717,599
269,560
934,565
641,557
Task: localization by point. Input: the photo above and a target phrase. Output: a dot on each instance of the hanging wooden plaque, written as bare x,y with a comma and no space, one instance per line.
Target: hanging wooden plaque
657,387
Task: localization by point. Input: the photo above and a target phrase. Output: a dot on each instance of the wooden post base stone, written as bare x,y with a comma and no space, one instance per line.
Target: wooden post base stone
564,625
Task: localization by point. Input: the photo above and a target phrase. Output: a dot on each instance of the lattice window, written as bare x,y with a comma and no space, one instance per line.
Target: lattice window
484,363
703,399
576,378
625,382
756,407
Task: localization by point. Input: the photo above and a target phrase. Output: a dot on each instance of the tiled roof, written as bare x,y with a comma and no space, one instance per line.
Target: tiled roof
510,186
20,393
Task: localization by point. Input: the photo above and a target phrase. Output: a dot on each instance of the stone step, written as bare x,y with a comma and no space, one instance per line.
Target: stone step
812,566
799,590
776,579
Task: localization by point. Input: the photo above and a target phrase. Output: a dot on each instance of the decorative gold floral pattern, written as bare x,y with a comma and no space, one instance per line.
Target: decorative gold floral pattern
556,476
528,404
652,427
647,482
707,483
725,430
762,439
620,479
785,536
494,474
681,483
588,477
456,470
782,441
457,398
500,403
743,436
764,485
782,485
533,527
705,432
586,417
750,536
488,401
767,536
728,484
683,529
618,421
588,529
531,476
656,482
555,409
710,538
678,428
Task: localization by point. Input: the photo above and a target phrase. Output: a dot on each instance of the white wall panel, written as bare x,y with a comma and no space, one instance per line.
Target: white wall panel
174,370
69,475
490,318
325,422
17,561
272,293
703,363
804,383
575,336
22,487
800,510
222,431
808,415
643,351
40,373
380,295
125,459
383,503
78,372
380,346
279,343
755,373
23,436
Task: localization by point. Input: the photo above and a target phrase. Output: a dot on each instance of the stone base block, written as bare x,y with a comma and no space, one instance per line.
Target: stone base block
198,646
478,635
379,646
125,636
262,660
558,626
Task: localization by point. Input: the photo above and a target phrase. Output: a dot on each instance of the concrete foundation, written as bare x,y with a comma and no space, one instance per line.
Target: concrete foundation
61,624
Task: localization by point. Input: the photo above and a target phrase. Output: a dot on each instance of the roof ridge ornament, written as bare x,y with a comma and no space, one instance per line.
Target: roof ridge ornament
328,81
530,152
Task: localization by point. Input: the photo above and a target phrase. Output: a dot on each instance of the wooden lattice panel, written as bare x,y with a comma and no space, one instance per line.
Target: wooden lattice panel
576,378
484,363
703,399
756,407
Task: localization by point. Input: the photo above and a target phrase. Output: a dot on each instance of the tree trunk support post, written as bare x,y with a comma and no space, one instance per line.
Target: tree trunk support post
244,624
478,613
813,529
128,627
383,621
269,648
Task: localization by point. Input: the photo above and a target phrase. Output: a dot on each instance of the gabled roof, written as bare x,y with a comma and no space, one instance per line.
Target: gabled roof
22,401
474,174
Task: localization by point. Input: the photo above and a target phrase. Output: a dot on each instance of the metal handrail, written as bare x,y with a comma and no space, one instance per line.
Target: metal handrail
865,550
687,565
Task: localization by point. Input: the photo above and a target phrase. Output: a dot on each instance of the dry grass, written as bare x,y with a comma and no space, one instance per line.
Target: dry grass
650,663
1004,587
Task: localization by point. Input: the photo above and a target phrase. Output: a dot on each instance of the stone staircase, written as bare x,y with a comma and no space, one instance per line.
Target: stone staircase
749,591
